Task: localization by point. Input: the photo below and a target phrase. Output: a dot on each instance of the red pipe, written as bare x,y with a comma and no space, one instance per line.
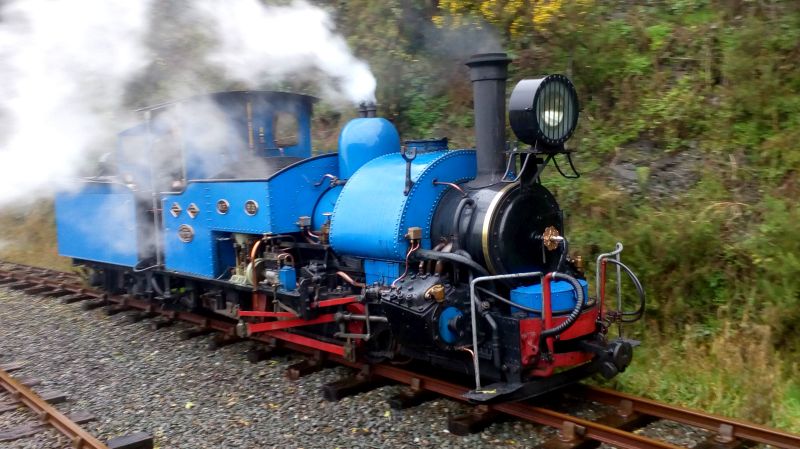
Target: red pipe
547,309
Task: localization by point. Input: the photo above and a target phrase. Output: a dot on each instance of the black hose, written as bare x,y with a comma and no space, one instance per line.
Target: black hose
573,316
468,256
463,253
452,257
639,290
495,339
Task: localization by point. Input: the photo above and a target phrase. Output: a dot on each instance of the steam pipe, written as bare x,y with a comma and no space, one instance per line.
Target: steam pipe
350,280
371,110
155,199
488,73
495,340
466,201
452,257
367,109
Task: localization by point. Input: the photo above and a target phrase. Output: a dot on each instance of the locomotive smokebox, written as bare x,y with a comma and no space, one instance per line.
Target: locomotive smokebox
488,73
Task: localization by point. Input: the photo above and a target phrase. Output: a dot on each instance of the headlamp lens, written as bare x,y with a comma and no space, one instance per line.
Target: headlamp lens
552,117
544,110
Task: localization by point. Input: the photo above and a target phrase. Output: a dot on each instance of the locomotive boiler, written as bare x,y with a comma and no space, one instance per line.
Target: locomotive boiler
386,251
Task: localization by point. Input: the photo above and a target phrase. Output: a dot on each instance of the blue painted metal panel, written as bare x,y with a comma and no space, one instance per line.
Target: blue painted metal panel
98,223
372,214
562,296
294,191
281,200
382,271
364,139
327,203
199,256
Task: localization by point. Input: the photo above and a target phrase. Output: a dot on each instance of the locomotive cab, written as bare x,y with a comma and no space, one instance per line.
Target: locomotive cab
224,135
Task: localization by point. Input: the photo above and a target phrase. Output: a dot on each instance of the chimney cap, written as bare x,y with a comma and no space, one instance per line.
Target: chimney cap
488,66
488,58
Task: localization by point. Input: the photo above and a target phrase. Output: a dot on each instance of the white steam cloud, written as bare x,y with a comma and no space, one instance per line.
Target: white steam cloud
66,68
257,41
63,71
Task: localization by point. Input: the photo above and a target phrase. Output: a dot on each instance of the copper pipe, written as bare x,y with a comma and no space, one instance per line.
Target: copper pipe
439,263
253,251
286,256
405,273
452,185
422,263
350,280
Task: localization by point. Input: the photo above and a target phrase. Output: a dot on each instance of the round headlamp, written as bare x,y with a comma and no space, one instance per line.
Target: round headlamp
544,110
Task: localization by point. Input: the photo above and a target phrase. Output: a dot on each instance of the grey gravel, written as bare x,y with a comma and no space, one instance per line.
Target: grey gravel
135,379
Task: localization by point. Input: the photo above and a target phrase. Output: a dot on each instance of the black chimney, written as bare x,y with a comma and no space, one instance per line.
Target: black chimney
488,72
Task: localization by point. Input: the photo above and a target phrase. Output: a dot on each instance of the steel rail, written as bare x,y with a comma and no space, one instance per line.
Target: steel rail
79,438
521,410
695,418
527,412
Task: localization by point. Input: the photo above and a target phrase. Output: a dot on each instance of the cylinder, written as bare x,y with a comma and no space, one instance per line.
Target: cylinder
488,73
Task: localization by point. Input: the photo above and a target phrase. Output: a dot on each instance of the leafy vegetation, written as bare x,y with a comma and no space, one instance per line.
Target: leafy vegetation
713,85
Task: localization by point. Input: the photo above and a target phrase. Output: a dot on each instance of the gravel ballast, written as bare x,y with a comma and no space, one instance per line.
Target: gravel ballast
135,379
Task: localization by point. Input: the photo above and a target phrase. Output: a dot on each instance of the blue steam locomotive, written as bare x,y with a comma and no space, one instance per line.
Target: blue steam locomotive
385,250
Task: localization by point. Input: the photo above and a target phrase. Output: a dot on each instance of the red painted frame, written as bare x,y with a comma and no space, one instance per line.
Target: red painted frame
254,328
274,328
530,330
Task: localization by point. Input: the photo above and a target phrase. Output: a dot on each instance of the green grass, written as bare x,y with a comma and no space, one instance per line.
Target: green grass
733,373
28,236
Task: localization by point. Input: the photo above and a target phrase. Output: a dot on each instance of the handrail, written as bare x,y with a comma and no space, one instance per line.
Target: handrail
473,301
600,287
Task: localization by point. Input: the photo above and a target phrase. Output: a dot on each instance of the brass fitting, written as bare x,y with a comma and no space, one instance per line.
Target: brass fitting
435,293
551,238
325,229
304,222
414,233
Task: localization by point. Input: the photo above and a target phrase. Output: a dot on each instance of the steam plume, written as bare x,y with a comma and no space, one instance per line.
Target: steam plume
257,41
65,68
63,71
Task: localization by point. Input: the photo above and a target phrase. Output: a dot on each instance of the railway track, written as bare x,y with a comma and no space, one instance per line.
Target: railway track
45,415
617,428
